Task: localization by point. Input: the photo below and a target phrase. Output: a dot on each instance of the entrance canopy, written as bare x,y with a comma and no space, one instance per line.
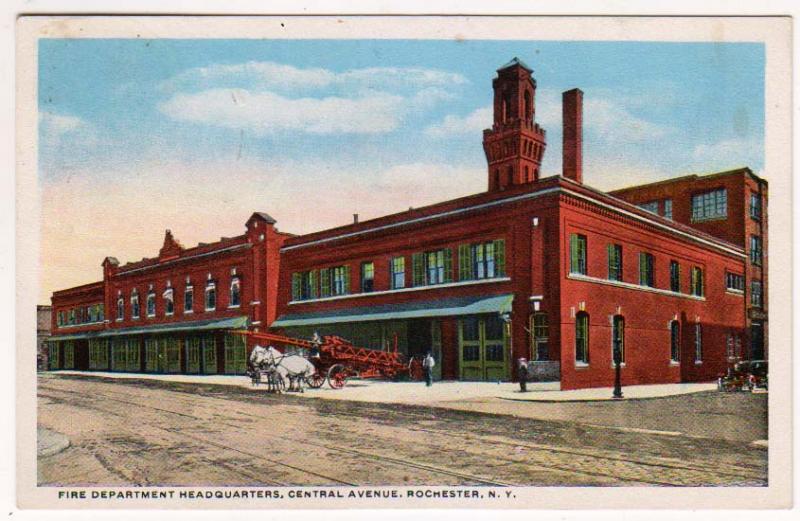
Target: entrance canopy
173,327
426,309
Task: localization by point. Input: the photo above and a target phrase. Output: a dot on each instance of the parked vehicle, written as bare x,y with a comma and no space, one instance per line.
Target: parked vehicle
746,375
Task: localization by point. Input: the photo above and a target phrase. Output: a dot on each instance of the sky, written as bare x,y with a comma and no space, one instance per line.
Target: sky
137,136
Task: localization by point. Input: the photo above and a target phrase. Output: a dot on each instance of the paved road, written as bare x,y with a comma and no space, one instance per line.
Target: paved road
157,433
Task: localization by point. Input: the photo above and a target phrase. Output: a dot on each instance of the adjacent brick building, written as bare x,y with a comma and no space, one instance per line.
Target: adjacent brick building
543,268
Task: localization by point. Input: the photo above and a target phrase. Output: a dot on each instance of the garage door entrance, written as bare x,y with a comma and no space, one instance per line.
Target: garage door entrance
483,347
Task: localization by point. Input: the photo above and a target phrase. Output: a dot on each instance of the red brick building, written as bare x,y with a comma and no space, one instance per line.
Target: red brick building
547,269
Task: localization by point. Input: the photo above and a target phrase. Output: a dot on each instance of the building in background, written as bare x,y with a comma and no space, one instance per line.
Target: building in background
43,326
545,268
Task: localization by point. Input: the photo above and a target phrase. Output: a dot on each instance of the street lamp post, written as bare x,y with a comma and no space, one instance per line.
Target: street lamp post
617,372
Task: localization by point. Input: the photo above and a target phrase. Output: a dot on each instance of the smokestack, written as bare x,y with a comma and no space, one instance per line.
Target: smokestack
572,112
355,218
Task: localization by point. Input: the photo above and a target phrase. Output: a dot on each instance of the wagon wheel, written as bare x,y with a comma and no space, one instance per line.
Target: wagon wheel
337,376
415,371
316,380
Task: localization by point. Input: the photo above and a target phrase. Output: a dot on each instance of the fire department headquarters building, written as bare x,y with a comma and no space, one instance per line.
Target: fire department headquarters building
673,273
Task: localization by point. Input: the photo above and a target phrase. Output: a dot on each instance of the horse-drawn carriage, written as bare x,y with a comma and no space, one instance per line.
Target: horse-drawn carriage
329,358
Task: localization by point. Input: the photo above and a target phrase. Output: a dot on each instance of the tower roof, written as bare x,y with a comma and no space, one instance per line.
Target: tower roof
514,62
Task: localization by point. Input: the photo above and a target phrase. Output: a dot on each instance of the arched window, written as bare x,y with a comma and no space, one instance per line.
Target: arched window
235,296
509,175
506,108
539,336
527,174
169,302
151,303
675,341
211,296
528,105
618,338
135,304
582,338
120,308
698,343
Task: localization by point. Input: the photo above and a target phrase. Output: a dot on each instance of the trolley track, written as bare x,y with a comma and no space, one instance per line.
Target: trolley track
658,466
468,478
730,471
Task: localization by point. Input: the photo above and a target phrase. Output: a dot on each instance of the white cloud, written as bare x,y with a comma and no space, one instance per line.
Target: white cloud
472,123
264,112
278,76
53,126
267,97
732,152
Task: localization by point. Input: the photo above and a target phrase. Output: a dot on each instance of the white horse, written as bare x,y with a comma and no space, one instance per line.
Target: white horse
260,367
295,368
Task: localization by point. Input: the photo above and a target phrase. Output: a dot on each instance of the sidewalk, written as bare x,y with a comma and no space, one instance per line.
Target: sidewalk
49,442
416,393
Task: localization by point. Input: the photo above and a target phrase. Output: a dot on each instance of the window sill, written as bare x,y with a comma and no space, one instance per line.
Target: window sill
237,306
738,293
210,309
581,365
187,312
614,366
674,363
698,362
707,219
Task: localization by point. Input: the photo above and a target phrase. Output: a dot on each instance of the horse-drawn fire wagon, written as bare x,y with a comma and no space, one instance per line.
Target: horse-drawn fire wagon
336,359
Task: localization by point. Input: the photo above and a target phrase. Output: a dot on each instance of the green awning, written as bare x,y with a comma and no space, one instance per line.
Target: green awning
76,336
197,325
426,309
174,327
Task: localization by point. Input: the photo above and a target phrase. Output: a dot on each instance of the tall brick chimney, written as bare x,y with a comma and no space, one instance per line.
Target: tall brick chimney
572,112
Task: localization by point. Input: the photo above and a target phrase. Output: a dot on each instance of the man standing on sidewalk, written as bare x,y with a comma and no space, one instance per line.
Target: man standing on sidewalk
522,375
427,364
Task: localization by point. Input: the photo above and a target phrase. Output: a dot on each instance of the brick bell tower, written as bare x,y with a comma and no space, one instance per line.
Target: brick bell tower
515,144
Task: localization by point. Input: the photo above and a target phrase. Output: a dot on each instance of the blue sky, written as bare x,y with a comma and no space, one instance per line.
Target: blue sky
227,127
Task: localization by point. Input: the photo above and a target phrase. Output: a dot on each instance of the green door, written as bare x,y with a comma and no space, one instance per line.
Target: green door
119,355
235,354
69,354
133,355
192,355
208,348
172,352
469,348
52,356
98,354
483,346
152,356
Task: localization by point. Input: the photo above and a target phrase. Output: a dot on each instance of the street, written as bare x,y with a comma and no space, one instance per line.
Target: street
150,433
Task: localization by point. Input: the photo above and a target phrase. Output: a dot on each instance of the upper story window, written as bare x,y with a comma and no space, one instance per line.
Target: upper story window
697,281
367,276
304,284
577,254
398,270
651,207
120,308
236,293
211,296
615,262
134,304
433,267
60,318
755,250
151,303
756,293
188,299
101,312
674,276
169,302
668,208
647,274
755,206
710,205
482,261
340,280
734,281
71,317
